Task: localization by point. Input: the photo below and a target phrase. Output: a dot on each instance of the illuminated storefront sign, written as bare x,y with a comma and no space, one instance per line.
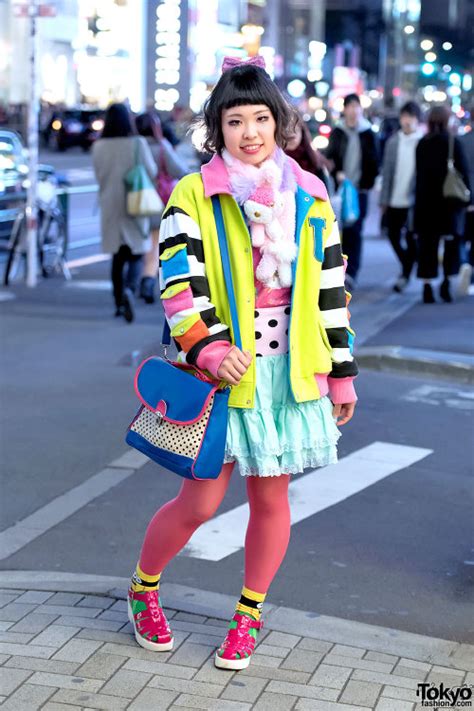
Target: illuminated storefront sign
167,54
108,52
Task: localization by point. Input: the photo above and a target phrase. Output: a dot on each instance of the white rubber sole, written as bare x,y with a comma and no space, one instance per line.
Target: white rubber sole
232,664
151,646
465,274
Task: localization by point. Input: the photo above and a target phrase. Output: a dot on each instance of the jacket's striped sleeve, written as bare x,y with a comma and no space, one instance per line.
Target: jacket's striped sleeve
184,287
333,307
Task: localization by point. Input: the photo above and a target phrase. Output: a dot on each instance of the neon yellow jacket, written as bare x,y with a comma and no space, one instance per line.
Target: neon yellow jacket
194,294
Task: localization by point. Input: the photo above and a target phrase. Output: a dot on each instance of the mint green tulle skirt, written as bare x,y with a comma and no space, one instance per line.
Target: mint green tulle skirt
279,435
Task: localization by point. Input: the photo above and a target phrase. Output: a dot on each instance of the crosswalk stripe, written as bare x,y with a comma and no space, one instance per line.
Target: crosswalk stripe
309,494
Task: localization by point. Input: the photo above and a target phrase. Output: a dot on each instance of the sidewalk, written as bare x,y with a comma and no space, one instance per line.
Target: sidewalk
63,649
397,332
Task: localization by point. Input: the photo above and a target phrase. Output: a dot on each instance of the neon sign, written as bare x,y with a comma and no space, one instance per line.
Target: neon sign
167,54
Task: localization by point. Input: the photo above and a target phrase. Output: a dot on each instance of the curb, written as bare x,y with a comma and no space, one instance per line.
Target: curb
417,361
279,619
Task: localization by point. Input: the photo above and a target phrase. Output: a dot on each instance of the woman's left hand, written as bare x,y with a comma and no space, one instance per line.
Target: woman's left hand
343,413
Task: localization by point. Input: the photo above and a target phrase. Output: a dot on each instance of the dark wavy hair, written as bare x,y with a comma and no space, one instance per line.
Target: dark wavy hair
118,122
240,86
438,119
144,125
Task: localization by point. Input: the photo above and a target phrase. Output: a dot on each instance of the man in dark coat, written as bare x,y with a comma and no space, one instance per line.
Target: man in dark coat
352,151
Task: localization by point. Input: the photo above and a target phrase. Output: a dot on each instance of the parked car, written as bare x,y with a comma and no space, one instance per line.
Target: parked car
13,172
73,127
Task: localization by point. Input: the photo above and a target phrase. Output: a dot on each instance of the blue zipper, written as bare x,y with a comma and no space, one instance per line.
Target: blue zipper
304,202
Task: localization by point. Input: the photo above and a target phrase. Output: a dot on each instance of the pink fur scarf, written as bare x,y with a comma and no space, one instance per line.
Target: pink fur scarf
267,194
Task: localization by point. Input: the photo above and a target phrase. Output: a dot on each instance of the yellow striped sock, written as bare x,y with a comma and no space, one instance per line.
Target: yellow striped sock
142,582
251,603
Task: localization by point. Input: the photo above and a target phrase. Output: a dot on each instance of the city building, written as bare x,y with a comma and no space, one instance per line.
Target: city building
89,51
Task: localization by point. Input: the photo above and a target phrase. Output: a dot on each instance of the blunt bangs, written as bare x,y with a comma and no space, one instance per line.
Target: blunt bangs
238,87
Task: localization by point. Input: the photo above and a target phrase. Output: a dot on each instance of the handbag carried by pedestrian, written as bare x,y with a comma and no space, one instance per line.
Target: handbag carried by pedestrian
164,182
142,197
182,421
350,210
454,187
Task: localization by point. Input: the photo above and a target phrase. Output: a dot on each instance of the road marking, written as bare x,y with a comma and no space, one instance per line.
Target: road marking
6,296
224,534
84,261
90,284
454,398
73,174
309,494
80,243
28,529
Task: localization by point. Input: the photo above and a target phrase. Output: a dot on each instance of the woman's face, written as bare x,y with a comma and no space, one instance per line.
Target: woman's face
249,132
295,139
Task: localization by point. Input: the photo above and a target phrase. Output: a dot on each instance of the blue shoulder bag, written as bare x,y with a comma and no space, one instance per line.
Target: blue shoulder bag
182,421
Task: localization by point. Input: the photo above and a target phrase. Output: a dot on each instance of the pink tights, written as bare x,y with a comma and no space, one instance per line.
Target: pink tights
268,531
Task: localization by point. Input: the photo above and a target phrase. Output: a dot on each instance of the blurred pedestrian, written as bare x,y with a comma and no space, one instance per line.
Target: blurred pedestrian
299,147
389,124
281,419
170,168
467,251
126,238
398,190
352,151
437,217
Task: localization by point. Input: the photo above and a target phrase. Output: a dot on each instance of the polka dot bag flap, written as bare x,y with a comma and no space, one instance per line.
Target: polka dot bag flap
182,421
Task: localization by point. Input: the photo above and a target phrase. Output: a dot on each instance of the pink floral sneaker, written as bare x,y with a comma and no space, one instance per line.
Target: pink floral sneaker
239,644
145,613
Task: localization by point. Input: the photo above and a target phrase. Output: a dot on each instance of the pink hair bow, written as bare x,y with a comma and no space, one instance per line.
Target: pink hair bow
231,62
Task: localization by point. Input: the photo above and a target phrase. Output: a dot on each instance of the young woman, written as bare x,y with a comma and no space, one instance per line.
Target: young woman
281,417
169,166
113,155
300,149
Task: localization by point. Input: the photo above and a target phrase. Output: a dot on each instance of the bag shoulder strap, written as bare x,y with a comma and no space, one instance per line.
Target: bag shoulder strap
137,149
450,150
162,161
224,252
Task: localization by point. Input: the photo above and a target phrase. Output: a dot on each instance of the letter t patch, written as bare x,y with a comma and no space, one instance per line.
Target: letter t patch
318,224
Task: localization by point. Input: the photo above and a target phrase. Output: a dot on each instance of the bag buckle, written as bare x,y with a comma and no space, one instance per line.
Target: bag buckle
159,419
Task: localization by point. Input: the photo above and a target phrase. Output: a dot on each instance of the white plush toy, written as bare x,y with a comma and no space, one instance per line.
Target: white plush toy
264,209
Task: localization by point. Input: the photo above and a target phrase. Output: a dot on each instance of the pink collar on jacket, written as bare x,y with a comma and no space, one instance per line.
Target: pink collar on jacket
216,180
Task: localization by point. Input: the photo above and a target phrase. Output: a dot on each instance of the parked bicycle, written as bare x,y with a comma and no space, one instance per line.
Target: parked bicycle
52,235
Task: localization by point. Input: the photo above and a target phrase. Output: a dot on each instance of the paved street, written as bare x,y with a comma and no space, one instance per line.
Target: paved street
66,650
383,554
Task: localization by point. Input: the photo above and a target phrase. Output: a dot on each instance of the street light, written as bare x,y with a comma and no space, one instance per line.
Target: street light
447,46
430,57
427,69
408,29
296,88
426,45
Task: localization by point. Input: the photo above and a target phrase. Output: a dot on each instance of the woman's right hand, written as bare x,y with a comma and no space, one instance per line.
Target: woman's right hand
234,366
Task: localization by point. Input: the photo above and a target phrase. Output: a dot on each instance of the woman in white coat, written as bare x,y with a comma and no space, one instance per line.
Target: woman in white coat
126,238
